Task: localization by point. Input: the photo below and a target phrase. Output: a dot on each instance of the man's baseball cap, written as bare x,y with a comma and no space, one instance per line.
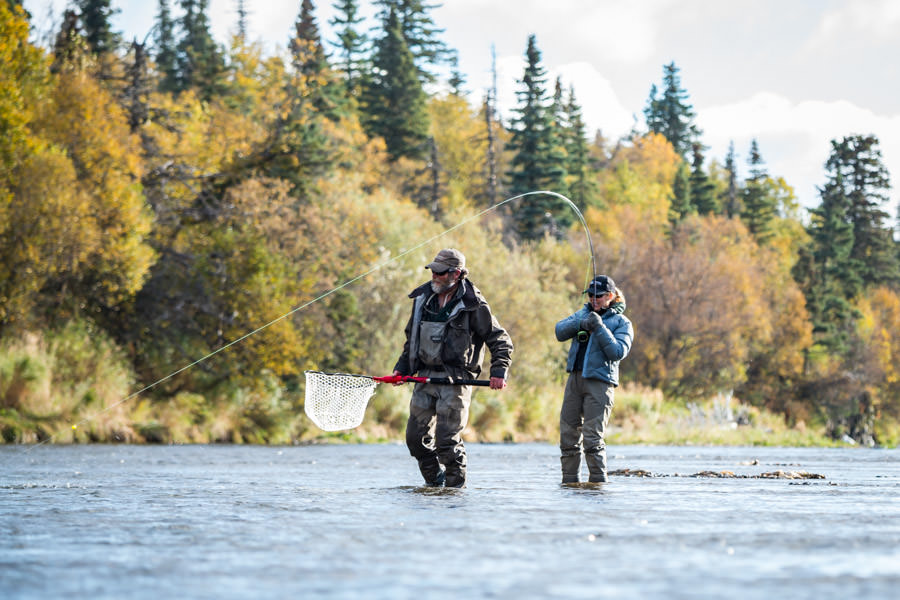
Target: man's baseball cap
446,259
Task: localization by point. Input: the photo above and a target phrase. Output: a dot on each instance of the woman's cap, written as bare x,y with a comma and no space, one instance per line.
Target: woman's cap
601,284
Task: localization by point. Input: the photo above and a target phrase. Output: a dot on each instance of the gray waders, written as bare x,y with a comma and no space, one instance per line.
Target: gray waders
437,416
586,407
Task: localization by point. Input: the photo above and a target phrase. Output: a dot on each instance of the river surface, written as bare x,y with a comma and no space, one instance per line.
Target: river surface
350,521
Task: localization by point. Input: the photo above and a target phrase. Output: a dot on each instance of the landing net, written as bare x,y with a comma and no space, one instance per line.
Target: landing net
336,401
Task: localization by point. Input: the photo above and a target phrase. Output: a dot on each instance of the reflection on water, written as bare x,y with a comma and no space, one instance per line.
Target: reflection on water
354,521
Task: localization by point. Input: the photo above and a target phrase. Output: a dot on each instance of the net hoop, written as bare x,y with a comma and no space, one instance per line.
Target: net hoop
337,401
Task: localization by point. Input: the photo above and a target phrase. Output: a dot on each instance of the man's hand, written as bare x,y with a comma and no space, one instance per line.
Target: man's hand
396,373
498,383
591,322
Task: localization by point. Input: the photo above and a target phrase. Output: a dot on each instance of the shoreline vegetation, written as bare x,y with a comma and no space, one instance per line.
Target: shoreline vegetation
74,386
31,412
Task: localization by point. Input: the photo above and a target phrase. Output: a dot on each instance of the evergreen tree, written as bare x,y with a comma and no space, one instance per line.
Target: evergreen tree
703,196
856,173
135,94
457,79
532,167
420,33
95,16
166,52
307,54
200,61
242,21
670,114
350,44
680,204
760,207
69,44
583,186
394,103
316,81
558,143
731,199
827,272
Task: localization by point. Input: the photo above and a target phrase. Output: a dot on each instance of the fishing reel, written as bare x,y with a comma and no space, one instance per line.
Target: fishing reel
582,336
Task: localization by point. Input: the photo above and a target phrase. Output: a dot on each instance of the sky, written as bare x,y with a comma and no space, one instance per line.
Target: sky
792,74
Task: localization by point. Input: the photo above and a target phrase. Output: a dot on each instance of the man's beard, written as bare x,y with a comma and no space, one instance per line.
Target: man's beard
440,288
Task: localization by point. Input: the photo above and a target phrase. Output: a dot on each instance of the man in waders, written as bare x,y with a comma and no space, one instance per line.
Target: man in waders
450,325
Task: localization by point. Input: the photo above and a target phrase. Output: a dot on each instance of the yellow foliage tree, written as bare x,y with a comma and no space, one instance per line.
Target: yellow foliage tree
640,176
83,120
461,138
880,348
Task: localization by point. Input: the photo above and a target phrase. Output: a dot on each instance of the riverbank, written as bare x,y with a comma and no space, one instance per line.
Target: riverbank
640,416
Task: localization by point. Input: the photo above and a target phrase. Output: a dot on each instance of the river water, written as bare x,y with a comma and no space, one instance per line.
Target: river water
349,521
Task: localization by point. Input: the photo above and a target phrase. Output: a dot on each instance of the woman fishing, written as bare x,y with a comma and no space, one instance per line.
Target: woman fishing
601,337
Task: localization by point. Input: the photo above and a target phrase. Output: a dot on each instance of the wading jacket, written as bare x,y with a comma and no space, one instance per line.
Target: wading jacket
606,346
470,328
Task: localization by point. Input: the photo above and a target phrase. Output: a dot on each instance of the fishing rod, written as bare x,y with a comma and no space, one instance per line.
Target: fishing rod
572,205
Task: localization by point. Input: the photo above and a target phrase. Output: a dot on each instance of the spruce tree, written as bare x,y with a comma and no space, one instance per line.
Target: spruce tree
351,43
680,203
583,186
703,196
856,173
316,82
242,21
760,208
166,52
307,54
136,93
827,272
394,103
731,197
200,62
95,18
69,44
558,143
670,114
421,35
532,142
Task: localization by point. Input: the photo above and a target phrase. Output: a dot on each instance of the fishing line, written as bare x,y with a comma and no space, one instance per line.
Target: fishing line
593,271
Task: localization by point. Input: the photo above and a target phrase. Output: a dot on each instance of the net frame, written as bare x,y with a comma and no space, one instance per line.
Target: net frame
337,401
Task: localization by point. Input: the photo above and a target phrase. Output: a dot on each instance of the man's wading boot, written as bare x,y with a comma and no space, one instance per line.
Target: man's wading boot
439,480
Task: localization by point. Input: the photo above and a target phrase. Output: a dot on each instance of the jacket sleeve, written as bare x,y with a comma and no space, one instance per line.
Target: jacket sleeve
496,339
615,342
568,327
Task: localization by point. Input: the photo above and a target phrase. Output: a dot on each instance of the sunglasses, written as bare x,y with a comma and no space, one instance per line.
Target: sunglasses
600,295
442,273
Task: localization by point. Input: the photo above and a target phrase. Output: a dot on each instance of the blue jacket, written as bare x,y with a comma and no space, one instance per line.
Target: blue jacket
606,346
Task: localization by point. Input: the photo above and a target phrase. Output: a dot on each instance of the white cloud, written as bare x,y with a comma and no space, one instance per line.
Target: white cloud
878,18
601,107
618,31
794,138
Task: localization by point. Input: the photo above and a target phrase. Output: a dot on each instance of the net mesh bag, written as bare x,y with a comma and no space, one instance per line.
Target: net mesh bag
336,401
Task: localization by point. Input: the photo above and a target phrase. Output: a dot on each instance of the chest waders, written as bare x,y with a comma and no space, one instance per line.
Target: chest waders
437,413
431,336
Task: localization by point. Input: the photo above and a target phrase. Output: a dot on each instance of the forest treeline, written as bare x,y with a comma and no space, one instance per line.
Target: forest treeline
162,198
